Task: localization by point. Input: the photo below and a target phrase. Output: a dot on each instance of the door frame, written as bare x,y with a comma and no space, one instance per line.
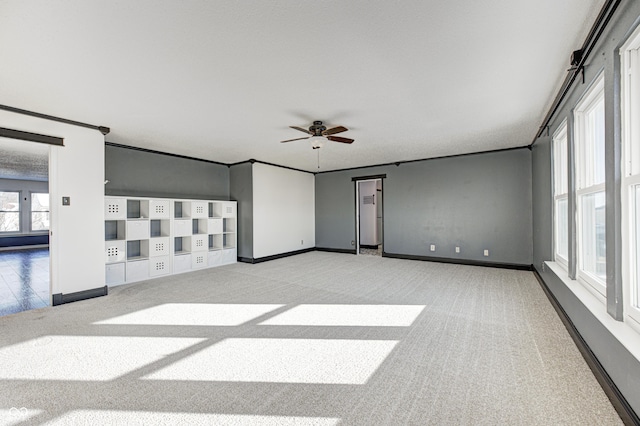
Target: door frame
356,181
52,142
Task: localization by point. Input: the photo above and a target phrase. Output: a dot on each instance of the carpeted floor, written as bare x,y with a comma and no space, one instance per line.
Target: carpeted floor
314,339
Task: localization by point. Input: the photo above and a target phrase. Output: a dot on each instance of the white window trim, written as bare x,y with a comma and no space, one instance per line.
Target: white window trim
560,133
625,332
558,257
585,179
592,282
595,94
630,77
19,231
38,231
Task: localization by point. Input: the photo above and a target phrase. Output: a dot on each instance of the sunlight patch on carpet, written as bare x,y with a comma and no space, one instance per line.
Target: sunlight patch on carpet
282,361
348,315
85,358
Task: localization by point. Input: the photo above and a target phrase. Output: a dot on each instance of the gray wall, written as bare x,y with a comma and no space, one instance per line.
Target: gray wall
241,190
146,174
621,366
476,202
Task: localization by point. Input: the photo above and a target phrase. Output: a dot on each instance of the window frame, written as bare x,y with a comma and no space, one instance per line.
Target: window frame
18,212
585,172
31,212
630,175
560,152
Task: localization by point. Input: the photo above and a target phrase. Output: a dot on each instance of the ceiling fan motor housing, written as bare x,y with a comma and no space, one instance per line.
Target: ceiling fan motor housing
317,128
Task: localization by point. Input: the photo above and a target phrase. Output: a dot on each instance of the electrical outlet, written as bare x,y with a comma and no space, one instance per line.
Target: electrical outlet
301,242
353,243
486,252
66,201
457,249
433,247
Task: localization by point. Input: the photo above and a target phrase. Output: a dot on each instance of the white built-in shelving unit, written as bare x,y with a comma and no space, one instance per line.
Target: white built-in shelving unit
152,237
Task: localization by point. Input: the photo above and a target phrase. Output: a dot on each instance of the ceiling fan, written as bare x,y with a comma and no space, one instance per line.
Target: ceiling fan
319,134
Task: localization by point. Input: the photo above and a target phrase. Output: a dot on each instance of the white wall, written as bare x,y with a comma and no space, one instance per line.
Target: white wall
77,231
283,210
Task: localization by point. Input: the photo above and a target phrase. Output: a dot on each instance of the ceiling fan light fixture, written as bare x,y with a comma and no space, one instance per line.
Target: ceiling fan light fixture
317,141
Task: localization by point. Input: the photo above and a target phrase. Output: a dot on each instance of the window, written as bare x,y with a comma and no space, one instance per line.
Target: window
590,195
9,211
561,195
630,179
39,212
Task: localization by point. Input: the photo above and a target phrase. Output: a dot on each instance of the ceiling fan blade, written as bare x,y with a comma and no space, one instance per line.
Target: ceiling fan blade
296,139
301,129
334,130
340,139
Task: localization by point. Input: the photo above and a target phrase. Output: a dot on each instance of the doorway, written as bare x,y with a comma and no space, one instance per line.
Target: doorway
369,217
24,226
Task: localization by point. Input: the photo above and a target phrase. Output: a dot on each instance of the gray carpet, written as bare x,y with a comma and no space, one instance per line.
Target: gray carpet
314,339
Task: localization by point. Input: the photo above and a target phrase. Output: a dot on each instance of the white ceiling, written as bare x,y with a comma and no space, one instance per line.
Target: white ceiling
222,80
23,160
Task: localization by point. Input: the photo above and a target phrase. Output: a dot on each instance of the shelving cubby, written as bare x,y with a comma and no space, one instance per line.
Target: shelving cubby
199,226
229,236
181,209
137,250
215,209
229,241
114,230
150,237
216,241
181,245
137,209
229,224
115,214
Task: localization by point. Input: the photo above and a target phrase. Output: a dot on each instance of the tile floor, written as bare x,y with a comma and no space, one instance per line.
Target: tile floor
24,280
372,252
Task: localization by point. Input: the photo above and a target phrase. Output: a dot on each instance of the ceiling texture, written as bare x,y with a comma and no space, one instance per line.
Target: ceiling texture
23,160
223,80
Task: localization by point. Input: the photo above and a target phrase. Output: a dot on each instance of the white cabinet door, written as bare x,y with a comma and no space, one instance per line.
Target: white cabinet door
214,226
199,209
115,251
214,258
159,209
159,246
115,208
137,230
182,227
138,270
159,266
115,274
181,263
229,256
228,209
199,260
199,243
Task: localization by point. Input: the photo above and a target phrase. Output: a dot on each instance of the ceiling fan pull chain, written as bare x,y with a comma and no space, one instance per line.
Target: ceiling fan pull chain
318,158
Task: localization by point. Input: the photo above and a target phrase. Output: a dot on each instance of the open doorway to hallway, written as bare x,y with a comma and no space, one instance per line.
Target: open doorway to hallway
24,226
369,217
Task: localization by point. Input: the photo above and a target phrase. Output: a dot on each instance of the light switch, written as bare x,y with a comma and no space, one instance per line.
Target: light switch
66,201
